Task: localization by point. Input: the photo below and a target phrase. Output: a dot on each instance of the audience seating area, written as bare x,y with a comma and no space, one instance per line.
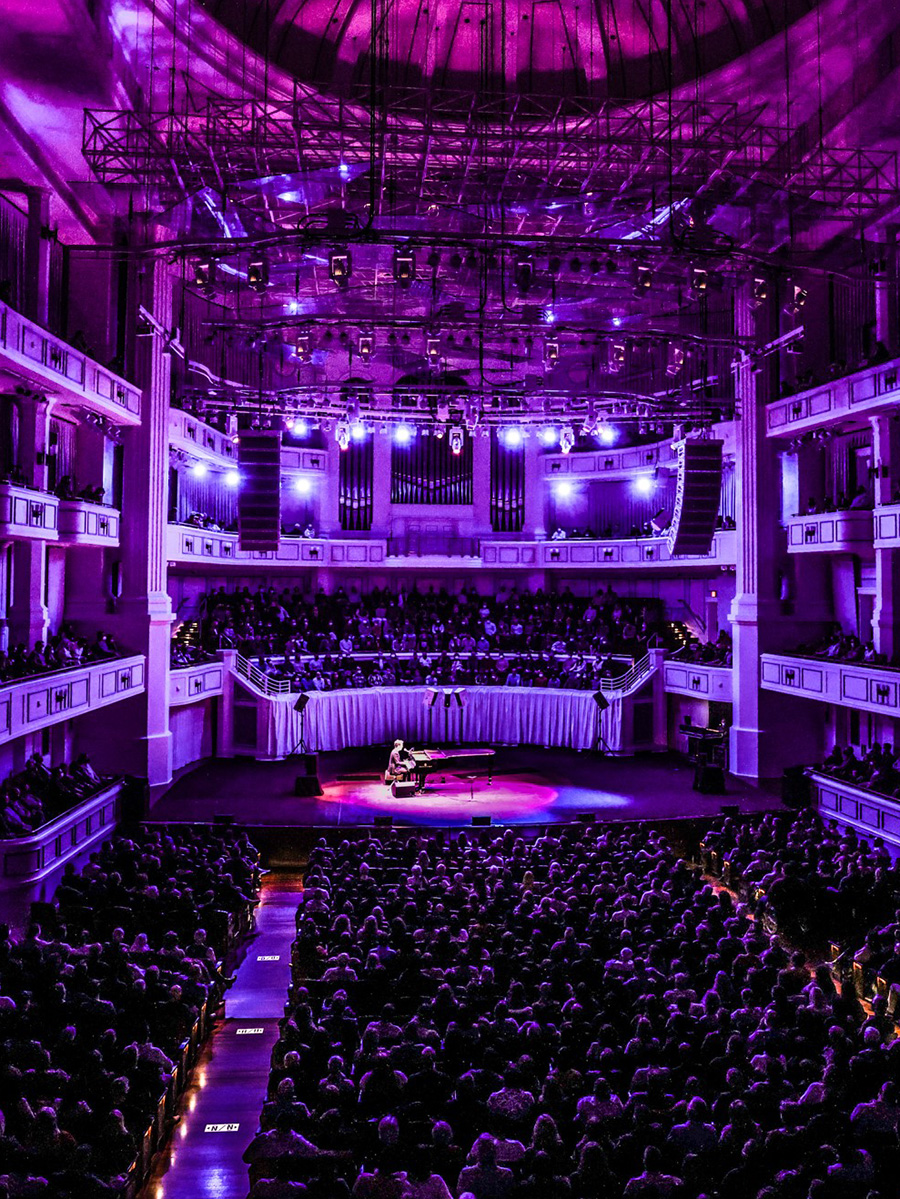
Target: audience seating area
580,1015
876,769
63,651
40,793
838,646
104,1004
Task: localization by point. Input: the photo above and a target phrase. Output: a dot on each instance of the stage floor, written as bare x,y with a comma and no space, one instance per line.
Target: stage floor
530,786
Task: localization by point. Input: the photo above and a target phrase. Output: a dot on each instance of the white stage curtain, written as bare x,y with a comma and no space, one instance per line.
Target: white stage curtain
191,728
493,715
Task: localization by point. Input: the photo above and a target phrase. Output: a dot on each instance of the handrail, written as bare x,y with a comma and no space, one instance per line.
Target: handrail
622,685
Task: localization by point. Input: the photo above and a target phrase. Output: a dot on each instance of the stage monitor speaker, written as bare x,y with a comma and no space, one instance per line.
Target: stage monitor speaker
480,821
697,498
308,762
307,785
709,779
586,817
403,788
223,819
601,701
259,499
383,821
302,701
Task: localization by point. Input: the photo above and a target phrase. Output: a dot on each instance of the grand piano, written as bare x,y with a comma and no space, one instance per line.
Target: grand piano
426,761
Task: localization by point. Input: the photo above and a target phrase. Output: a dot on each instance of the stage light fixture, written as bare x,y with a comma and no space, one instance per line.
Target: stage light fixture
548,436
205,272
643,280
456,440
302,485
759,293
616,356
404,267
795,306
199,470
366,346
514,438
301,428
566,439
232,478
404,434
358,431
340,267
524,274
644,484
674,360
607,434
617,322
699,280
258,273
564,489
795,346
302,347
342,434
551,351
433,350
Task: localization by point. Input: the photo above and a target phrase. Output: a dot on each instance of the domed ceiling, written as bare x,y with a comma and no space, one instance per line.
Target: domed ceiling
558,47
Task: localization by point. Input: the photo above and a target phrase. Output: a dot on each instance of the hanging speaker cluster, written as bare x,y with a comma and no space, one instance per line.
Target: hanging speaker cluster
696,498
259,500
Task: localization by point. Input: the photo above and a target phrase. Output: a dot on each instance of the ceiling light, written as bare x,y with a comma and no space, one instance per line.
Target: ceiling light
342,434
358,431
232,478
566,439
404,434
301,347
199,470
404,267
548,436
366,346
205,273
551,351
340,267
514,438
456,440
644,484
607,434
433,350
675,360
303,485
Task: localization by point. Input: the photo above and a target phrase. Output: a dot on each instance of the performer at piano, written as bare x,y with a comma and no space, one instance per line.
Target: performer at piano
400,763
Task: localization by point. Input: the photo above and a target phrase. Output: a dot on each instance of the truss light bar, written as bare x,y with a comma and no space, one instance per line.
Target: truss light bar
433,350
795,306
302,348
524,274
643,280
616,356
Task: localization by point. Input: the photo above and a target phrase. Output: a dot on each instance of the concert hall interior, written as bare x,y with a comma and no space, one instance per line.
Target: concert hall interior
449,645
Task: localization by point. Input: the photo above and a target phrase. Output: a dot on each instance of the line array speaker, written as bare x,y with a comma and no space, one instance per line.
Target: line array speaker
259,500
696,498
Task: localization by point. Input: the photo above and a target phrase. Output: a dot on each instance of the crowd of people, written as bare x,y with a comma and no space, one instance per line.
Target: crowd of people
39,793
67,489
295,624
860,498
570,1017
96,1001
655,527
61,651
876,767
838,646
708,653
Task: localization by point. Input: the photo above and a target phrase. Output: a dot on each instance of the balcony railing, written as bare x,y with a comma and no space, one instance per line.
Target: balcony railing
849,532
84,523
50,364
27,514
865,391
867,688
609,463
887,527
191,545
29,859
188,684
855,807
628,553
46,699
698,679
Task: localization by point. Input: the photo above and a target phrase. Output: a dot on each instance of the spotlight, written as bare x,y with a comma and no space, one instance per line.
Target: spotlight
258,274
343,170
566,439
549,316
547,436
358,431
644,485
514,438
433,350
616,356
675,360
404,434
366,346
564,489
301,428
643,280
342,434
301,347
794,307
617,322
759,293
524,274
607,434
205,273
699,280
456,440
199,470
340,267
232,478
302,485
404,267
551,352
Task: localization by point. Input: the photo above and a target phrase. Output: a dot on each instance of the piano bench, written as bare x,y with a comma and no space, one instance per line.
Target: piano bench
403,788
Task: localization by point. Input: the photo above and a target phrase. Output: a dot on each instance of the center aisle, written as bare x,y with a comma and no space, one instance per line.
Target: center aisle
220,1111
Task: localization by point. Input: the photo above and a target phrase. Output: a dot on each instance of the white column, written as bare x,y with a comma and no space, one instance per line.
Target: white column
534,490
381,485
886,463
30,617
481,484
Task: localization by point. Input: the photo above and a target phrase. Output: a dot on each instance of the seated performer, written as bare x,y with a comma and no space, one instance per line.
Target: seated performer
400,763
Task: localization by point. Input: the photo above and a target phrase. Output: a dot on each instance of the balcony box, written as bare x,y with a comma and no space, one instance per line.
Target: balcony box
28,515
84,523
849,532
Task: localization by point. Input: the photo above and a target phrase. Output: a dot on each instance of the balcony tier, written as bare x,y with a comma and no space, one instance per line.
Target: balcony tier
867,688
860,394
28,515
38,702
698,680
869,813
849,532
628,553
189,546
48,364
84,523
187,684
